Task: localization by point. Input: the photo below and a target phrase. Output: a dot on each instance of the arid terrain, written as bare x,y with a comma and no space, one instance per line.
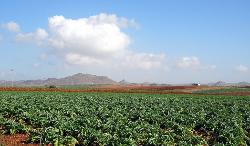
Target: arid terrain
139,89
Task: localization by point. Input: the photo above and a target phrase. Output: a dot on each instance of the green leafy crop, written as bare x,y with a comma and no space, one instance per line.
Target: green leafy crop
126,119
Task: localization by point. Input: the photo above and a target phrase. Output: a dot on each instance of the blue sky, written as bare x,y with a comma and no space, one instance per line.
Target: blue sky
158,41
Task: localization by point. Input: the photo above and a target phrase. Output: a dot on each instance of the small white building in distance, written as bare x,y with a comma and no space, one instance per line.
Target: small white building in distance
196,84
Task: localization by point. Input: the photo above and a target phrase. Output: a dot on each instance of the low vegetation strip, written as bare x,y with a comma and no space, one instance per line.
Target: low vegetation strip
226,91
62,118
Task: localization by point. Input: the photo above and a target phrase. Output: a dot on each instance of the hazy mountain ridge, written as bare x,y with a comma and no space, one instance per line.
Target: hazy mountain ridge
221,83
77,79
88,79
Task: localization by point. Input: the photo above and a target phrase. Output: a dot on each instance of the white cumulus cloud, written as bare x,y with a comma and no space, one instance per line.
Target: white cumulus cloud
38,36
78,59
94,36
144,60
12,26
94,40
242,68
188,62
193,62
112,19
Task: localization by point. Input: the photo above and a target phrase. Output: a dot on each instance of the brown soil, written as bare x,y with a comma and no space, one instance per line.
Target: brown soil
131,89
16,140
122,89
208,136
113,89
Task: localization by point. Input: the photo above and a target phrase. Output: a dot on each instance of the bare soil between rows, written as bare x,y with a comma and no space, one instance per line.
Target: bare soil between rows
133,89
17,140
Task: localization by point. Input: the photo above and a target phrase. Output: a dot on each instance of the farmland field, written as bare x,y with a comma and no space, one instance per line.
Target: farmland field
226,91
62,118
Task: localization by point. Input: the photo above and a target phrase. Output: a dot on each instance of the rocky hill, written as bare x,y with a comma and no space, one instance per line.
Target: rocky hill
77,79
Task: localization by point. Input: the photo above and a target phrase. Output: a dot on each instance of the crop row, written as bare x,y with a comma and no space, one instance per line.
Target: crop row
126,119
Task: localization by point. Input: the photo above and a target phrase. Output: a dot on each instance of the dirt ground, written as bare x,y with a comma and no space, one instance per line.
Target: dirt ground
16,140
131,89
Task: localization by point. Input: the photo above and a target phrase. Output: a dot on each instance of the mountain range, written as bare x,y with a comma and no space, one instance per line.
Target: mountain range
77,79
221,83
88,79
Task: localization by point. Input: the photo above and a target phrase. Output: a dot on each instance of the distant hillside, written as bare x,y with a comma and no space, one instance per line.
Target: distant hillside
243,84
77,79
124,82
221,83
